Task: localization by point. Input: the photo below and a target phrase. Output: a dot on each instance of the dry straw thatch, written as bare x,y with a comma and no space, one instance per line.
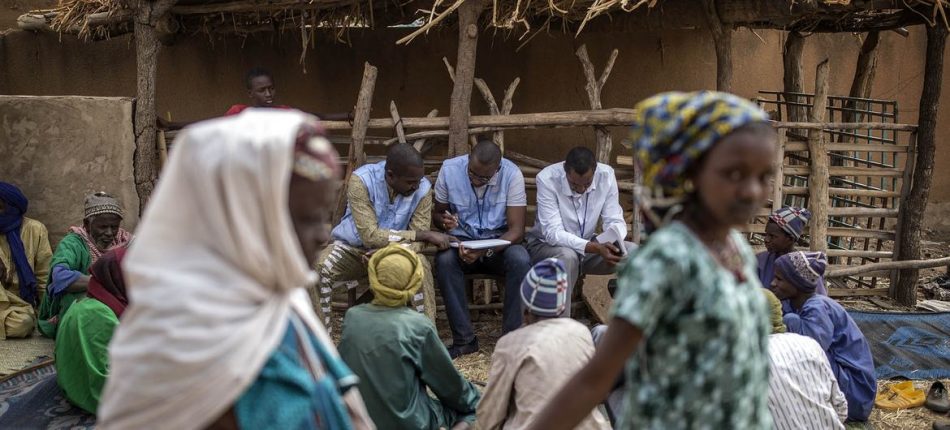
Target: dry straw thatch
97,19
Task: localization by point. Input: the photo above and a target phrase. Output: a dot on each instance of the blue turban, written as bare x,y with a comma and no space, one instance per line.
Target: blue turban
11,219
544,289
804,270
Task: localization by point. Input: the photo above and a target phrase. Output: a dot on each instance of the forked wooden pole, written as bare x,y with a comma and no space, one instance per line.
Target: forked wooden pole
356,156
594,88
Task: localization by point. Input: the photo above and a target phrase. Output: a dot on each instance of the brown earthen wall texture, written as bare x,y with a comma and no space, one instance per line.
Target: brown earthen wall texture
59,149
200,78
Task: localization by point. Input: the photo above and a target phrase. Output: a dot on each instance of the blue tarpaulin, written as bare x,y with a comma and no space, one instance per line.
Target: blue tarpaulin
908,345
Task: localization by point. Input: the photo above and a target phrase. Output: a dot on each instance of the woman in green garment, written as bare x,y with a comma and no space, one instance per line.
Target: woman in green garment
688,322
82,341
82,246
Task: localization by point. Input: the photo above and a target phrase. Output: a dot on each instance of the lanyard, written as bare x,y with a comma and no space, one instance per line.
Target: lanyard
581,222
479,202
479,205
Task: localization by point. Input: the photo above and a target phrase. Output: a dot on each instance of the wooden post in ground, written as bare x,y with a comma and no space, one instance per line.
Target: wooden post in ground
460,107
594,88
777,196
792,79
818,168
863,80
912,209
722,37
145,162
865,68
356,156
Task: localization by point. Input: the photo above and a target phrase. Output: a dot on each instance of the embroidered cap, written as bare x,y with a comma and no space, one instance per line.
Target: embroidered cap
101,203
804,270
544,289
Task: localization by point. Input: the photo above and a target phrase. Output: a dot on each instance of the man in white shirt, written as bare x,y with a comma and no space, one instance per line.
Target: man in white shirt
573,196
803,391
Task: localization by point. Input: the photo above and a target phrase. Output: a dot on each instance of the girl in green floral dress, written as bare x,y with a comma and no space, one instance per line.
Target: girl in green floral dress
689,326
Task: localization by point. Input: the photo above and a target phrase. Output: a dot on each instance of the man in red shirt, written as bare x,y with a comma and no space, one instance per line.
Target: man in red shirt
260,89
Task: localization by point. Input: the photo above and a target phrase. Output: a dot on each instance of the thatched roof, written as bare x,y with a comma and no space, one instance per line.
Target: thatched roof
96,19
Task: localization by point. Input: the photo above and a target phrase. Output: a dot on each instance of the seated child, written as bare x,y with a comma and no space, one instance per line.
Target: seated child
797,277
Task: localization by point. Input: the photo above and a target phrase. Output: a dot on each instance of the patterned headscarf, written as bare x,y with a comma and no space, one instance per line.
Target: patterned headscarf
791,220
804,270
395,275
775,311
101,203
672,130
544,289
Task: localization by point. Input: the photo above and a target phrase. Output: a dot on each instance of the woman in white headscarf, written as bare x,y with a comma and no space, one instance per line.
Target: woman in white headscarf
220,331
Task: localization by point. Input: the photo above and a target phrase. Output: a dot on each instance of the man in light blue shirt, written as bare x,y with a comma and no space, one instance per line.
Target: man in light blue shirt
480,196
573,196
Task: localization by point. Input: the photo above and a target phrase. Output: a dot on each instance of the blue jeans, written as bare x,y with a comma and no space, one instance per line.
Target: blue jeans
514,262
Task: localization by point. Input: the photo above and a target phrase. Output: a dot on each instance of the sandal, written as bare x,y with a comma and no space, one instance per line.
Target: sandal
901,395
937,398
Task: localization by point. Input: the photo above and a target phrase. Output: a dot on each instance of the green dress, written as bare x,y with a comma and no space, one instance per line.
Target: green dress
398,356
703,361
74,254
82,351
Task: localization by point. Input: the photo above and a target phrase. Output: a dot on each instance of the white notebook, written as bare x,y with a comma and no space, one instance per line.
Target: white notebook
482,244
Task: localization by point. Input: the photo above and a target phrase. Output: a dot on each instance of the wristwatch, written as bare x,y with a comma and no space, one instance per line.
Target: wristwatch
490,253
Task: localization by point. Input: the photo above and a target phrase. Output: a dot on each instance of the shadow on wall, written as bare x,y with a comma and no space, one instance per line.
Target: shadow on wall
58,149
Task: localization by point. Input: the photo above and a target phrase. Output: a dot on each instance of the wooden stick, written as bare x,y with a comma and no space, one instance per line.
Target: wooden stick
842,192
845,126
508,102
420,144
887,265
400,132
849,147
779,164
439,133
498,137
848,171
586,118
460,106
857,292
818,168
518,157
864,212
857,253
905,291
162,149
357,156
